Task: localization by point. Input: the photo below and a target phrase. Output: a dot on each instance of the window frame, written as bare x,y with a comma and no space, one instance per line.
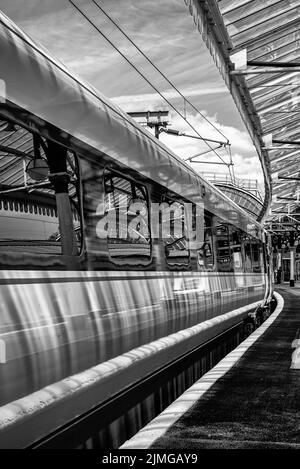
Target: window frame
219,222
129,260
208,228
180,200
247,239
259,245
31,208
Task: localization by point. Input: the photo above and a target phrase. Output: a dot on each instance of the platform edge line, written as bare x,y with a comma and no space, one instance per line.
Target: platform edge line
160,424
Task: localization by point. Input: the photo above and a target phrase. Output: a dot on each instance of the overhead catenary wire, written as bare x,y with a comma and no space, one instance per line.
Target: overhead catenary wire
158,70
147,80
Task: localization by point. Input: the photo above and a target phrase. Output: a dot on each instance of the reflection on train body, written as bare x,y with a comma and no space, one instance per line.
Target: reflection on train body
76,290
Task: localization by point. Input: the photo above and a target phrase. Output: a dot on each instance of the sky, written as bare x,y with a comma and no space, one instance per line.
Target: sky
166,33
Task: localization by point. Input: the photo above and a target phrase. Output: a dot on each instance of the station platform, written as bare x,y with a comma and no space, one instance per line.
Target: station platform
249,400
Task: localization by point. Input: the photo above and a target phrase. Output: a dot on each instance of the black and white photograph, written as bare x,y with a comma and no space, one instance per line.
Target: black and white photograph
150,228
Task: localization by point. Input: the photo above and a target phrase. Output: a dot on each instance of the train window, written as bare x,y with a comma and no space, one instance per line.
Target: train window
127,216
206,254
248,254
221,233
174,232
25,228
235,238
257,256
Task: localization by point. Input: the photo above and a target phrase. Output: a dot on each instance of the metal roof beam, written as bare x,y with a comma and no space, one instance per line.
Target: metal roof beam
210,23
255,71
263,63
13,151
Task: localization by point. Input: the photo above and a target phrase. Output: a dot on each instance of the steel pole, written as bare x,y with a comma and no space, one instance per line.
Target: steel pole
292,266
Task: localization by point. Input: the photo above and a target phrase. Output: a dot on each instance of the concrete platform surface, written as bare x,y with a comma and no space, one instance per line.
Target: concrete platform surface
256,403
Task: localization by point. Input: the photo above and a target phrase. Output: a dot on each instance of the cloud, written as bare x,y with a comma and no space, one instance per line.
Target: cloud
166,33
239,139
244,156
128,100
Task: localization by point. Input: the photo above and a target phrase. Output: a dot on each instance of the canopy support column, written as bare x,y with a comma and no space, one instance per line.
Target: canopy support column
292,266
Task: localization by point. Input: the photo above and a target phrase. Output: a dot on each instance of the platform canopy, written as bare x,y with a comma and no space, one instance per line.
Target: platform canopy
256,47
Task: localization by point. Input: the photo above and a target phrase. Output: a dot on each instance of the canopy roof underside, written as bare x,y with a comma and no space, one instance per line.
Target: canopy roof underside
267,32
270,32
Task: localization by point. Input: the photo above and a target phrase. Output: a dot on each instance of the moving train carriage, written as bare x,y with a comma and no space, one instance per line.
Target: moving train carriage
88,268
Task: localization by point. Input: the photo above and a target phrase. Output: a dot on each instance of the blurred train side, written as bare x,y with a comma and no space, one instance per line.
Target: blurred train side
63,314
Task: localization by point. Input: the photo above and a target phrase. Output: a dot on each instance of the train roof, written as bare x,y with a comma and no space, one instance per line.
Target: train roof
42,85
